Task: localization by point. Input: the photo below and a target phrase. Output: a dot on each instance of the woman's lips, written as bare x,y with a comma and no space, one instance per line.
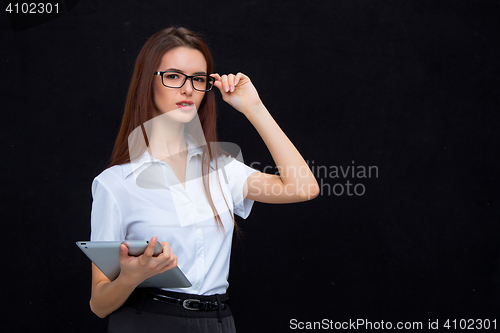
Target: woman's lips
185,105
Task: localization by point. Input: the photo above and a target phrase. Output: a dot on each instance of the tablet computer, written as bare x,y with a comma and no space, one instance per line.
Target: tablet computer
105,254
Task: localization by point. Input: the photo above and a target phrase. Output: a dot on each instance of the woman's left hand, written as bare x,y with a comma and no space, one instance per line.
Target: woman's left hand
238,91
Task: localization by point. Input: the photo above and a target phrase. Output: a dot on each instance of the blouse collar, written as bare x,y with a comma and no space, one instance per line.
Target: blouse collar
146,159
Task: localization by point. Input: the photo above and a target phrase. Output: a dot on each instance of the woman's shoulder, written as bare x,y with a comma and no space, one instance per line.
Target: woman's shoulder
234,166
109,177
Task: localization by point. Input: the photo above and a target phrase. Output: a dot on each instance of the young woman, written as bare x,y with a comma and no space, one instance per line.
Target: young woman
169,182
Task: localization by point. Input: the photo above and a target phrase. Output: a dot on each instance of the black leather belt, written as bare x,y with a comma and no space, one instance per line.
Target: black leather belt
189,303
184,305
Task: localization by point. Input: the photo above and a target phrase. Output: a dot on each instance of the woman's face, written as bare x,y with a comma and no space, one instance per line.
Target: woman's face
180,104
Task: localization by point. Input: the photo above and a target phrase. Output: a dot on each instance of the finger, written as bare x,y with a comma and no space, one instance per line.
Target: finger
216,76
170,264
238,78
123,254
167,251
230,82
218,82
164,261
225,84
151,247
123,250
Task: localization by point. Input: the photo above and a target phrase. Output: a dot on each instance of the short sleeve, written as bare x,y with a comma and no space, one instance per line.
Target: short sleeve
237,173
105,217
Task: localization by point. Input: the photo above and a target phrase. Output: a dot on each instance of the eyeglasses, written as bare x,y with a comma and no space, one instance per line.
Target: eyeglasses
173,79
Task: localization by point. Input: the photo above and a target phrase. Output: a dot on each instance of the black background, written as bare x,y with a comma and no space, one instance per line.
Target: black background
411,87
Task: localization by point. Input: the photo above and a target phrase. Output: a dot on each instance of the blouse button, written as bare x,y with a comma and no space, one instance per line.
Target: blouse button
198,231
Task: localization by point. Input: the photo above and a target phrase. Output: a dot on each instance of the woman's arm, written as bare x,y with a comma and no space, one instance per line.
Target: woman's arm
108,296
296,181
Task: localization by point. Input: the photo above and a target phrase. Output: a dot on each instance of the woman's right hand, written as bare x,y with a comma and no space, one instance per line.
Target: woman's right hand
134,270
107,296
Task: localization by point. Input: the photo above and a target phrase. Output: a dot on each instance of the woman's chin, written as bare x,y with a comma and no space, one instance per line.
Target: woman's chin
180,115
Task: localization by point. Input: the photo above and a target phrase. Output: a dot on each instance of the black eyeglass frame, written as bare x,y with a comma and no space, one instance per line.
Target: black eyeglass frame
186,77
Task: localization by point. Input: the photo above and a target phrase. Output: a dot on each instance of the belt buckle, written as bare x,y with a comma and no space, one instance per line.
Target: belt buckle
187,307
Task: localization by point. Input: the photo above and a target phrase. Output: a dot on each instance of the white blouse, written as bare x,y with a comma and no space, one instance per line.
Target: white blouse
142,199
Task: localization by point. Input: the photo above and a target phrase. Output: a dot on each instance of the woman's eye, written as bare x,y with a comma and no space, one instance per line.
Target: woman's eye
172,76
200,79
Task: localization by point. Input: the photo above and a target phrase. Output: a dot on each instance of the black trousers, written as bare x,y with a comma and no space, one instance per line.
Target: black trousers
143,314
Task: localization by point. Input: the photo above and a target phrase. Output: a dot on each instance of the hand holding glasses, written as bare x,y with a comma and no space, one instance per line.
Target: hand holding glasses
172,79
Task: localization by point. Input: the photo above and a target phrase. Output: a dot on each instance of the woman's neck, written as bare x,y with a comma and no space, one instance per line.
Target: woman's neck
166,138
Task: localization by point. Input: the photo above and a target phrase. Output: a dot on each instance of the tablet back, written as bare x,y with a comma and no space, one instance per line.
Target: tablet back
105,256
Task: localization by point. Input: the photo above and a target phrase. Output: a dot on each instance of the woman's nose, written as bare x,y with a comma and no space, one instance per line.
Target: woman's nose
187,88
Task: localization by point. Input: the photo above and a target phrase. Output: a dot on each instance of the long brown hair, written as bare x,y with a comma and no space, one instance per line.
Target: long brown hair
139,104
